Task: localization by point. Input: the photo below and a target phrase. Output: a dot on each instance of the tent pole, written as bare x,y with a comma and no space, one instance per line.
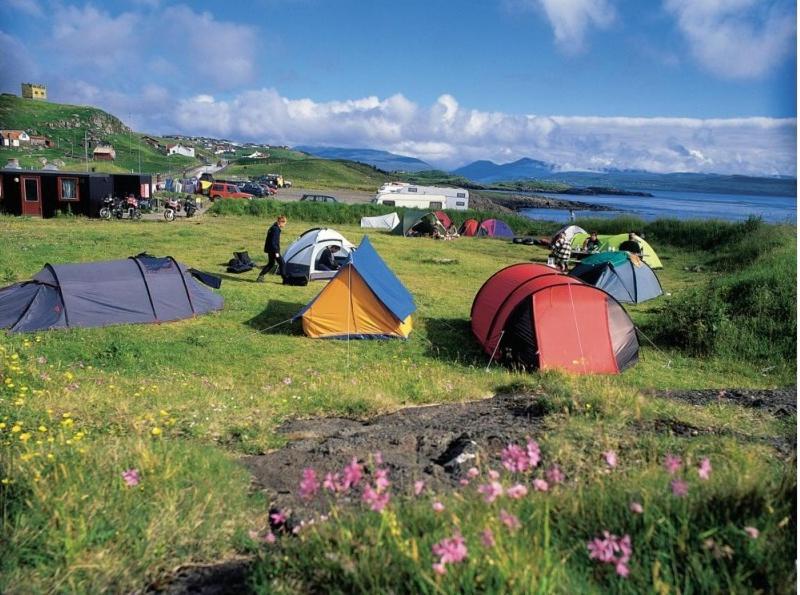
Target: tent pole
496,347
349,309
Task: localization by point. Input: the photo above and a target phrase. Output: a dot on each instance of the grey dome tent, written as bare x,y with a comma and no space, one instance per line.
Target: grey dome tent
138,289
623,275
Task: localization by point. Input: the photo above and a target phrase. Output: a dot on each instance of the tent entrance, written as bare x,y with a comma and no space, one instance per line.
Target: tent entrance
519,347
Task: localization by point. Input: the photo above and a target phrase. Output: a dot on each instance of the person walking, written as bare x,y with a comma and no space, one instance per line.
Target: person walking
272,247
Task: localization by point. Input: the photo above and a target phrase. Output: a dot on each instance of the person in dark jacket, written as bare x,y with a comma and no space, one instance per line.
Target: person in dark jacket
272,247
326,261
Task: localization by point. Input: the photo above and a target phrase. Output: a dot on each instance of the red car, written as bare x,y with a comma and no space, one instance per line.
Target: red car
226,190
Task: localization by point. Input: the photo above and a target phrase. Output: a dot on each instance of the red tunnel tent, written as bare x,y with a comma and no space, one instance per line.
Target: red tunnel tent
532,315
469,227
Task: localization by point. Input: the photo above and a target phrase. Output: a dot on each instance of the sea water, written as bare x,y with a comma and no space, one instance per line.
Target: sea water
676,205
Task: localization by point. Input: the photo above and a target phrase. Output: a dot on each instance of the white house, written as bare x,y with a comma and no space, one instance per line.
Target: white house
13,138
179,149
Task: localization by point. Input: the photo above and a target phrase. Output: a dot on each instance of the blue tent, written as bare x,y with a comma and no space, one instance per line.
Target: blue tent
623,275
364,300
135,290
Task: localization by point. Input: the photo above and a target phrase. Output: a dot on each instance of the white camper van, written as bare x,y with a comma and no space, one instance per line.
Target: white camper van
402,194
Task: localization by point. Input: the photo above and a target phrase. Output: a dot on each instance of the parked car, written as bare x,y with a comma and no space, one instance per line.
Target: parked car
252,188
226,190
318,198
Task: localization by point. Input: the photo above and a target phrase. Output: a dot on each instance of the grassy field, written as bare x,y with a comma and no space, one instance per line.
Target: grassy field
181,402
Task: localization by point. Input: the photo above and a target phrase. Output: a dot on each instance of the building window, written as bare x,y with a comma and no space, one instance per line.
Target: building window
68,189
412,189
461,195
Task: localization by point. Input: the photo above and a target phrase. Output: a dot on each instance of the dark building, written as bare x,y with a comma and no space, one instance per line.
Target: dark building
43,193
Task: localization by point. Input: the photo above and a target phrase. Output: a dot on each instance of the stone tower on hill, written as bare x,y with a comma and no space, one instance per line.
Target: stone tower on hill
34,91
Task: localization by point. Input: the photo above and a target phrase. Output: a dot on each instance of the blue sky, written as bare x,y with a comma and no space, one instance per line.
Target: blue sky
663,85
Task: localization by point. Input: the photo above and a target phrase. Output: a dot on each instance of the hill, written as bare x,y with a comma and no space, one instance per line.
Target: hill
70,126
313,172
380,159
488,171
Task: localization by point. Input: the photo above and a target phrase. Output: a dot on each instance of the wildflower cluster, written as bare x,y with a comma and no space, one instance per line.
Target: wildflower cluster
612,550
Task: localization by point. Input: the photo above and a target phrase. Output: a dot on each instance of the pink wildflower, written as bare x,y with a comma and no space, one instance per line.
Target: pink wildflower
540,485
487,537
493,475
611,458
131,477
554,475
491,491
752,532
451,550
352,474
439,568
381,479
515,459
268,537
612,550
277,517
332,483
534,453
377,500
309,484
438,506
672,463
473,472
509,520
704,469
463,481
636,508
418,487
287,381
517,491
679,488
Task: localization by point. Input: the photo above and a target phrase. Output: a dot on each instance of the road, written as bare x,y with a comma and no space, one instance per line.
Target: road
345,196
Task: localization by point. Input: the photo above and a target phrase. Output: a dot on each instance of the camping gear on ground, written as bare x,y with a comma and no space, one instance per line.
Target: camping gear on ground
469,228
625,276
443,218
240,263
531,315
365,300
302,256
389,221
494,228
419,223
138,289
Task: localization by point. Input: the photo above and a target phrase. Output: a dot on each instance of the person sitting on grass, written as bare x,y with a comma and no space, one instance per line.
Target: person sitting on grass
326,261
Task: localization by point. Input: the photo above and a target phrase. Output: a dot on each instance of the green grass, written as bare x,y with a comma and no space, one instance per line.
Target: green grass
215,387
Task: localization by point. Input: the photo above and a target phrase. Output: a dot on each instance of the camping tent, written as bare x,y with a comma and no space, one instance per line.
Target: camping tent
419,223
570,231
469,227
611,243
443,218
135,290
623,275
365,300
495,228
389,221
529,314
301,257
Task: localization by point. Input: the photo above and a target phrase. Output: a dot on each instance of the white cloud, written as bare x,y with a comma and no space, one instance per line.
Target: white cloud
449,135
570,19
736,38
30,7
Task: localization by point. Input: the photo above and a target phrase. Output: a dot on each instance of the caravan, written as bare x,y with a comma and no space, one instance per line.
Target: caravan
402,194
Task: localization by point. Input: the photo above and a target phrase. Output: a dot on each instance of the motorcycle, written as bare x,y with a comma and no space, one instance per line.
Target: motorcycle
171,206
131,207
109,208
190,206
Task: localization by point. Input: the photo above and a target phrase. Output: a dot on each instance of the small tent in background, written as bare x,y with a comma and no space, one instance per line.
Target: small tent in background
531,315
469,228
365,300
623,275
418,223
495,228
569,232
135,290
612,243
389,222
443,218
302,256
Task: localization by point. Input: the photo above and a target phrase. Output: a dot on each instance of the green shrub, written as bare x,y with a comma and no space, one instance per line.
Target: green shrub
693,322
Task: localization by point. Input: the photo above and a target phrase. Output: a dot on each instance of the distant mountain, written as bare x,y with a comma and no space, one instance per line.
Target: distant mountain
522,169
488,172
380,159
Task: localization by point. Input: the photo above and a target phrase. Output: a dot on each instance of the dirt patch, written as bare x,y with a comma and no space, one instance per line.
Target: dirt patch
438,444
779,401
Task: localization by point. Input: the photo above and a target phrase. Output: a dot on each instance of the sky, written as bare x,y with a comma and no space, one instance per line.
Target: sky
656,85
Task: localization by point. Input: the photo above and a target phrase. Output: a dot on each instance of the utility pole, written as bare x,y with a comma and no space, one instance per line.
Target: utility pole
86,151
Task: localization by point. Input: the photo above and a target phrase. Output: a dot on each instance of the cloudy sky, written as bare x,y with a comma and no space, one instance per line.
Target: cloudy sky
661,85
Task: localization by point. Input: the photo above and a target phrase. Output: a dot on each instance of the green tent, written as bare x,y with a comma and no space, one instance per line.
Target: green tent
610,243
420,222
